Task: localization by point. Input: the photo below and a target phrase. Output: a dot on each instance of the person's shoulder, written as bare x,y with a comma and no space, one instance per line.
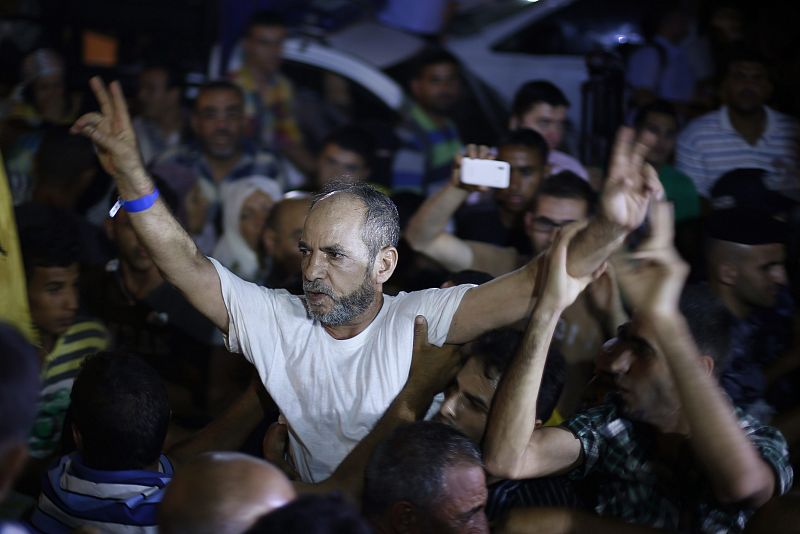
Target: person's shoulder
708,124
184,154
784,121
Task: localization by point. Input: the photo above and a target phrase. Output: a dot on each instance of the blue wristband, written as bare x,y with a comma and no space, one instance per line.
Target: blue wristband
136,205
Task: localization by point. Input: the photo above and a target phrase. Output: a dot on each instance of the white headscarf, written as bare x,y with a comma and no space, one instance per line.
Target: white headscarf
232,250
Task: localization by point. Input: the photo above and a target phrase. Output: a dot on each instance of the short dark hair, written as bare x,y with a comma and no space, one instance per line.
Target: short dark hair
743,53
174,74
658,106
410,466
567,184
219,85
537,92
48,237
710,323
381,222
527,138
265,18
433,55
120,407
19,386
313,514
62,157
355,139
494,351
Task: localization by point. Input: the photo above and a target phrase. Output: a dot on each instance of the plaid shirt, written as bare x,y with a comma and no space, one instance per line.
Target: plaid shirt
269,110
634,485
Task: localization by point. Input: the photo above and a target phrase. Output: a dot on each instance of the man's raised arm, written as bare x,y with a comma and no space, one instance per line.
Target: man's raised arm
172,250
630,187
513,447
426,232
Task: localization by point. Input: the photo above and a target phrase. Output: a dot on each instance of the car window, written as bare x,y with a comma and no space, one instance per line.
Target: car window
581,27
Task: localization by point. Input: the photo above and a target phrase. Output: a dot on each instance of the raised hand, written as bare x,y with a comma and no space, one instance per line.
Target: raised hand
652,277
470,151
632,183
111,132
557,287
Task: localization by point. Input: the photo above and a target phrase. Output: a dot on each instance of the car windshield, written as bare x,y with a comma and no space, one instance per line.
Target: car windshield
475,19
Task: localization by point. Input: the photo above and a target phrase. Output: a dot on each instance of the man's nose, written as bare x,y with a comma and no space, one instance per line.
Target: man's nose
314,266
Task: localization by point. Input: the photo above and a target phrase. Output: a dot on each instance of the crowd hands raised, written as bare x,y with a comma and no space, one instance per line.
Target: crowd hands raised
579,351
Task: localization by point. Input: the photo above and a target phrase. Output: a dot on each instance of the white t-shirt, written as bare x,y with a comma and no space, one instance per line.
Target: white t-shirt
331,392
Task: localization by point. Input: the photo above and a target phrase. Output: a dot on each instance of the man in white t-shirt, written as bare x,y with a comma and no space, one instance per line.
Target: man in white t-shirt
334,359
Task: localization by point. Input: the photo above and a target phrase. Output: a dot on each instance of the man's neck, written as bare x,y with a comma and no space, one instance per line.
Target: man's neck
360,323
750,126
739,309
170,122
221,168
140,283
439,120
48,344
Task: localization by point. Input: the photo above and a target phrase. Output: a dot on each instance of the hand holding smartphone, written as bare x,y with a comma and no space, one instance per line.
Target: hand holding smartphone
485,173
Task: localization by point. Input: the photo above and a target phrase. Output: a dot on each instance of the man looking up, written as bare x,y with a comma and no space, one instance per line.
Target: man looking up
428,136
269,97
671,452
541,106
743,133
334,360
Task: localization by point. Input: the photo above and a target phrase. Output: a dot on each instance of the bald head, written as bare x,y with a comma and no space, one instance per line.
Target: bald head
746,276
222,493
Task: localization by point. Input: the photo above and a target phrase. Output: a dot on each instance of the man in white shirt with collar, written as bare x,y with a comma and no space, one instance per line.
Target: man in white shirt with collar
661,68
335,360
743,133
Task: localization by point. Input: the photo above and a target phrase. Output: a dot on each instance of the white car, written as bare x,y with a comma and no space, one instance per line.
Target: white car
505,43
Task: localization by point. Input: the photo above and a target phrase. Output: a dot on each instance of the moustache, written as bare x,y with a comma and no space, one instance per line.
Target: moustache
318,287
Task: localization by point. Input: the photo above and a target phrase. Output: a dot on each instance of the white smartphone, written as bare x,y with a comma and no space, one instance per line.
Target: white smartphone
485,172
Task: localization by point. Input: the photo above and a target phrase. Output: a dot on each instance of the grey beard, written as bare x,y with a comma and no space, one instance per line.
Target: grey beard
345,308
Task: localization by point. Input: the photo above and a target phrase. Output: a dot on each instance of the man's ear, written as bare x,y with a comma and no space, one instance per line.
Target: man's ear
268,238
403,517
414,86
76,437
385,264
707,363
528,222
727,272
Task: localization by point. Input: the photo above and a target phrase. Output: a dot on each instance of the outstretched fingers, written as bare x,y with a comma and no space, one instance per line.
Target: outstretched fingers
621,153
103,98
420,332
121,115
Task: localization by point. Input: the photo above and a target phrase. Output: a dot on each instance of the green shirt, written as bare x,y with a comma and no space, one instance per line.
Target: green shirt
681,192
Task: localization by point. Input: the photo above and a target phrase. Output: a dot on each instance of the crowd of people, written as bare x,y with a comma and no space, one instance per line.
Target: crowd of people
586,349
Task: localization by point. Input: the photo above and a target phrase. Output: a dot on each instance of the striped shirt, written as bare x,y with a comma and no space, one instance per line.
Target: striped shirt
59,370
710,147
110,501
424,161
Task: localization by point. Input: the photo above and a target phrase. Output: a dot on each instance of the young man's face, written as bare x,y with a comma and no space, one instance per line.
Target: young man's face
53,298
665,130
548,215
467,401
746,87
760,274
281,240
641,377
218,122
263,48
155,98
336,162
527,171
437,88
550,121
